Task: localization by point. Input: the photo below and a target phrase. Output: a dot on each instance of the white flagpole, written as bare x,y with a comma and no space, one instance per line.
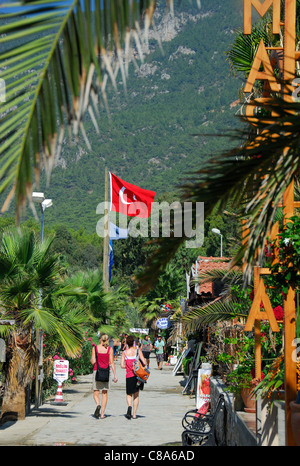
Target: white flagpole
106,238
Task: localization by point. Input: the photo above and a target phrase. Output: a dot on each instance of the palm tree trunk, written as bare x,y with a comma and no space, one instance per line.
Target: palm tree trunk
22,359
13,406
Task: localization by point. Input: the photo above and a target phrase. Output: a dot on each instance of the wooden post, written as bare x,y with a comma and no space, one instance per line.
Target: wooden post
289,49
290,376
257,327
288,209
106,238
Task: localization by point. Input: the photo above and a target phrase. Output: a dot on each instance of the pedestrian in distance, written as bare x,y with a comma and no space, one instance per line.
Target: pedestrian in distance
160,348
104,353
123,345
146,347
133,387
116,346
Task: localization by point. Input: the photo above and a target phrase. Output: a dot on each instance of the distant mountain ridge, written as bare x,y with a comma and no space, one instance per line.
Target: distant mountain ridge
150,140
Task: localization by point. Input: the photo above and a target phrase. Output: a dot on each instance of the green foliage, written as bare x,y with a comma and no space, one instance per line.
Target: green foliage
185,364
288,267
273,381
238,379
241,300
79,365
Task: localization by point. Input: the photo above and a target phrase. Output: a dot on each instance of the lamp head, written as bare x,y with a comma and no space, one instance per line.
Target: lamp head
47,203
38,197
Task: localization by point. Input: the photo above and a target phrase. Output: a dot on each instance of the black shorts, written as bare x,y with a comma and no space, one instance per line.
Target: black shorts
132,386
146,354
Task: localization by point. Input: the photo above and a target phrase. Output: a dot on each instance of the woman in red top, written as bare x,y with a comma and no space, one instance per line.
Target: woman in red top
132,388
105,359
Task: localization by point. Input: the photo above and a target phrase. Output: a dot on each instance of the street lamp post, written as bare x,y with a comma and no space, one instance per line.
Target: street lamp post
217,231
44,204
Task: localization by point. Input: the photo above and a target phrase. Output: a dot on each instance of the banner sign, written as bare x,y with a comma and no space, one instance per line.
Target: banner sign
61,370
203,387
139,330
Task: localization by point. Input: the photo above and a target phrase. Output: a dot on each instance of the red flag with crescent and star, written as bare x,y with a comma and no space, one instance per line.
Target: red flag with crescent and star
129,199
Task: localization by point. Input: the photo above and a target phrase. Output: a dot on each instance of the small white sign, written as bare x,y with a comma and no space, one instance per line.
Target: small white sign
139,330
61,370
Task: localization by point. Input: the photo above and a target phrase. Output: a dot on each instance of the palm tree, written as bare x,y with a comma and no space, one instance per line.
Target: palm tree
94,299
56,58
30,286
167,289
100,306
149,310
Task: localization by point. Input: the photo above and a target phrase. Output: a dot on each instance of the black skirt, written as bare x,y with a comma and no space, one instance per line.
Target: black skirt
132,385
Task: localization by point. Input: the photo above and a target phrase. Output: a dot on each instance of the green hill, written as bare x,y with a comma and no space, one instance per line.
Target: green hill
150,140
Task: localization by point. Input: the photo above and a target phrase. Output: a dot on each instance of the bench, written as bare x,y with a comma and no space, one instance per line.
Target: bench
206,429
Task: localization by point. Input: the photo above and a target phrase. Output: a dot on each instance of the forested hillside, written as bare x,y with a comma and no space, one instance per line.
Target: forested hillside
185,90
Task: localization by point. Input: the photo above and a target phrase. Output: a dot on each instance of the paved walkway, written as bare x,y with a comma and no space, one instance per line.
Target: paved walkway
158,422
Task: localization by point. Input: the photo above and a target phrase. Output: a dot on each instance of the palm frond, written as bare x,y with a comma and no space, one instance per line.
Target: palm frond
217,310
52,324
231,276
244,48
55,59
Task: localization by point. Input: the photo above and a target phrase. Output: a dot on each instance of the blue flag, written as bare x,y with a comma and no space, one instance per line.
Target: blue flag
110,260
117,232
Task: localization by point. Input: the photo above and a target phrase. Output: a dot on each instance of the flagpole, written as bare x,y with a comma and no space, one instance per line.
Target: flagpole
106,237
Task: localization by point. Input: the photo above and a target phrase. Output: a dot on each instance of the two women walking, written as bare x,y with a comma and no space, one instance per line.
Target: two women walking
105,357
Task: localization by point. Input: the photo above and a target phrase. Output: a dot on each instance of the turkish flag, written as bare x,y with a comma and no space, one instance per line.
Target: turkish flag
129,199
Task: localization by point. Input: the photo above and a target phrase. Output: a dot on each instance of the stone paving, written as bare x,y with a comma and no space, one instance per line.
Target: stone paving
162,406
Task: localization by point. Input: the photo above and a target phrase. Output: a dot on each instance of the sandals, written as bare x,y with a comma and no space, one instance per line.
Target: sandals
128,414
97,412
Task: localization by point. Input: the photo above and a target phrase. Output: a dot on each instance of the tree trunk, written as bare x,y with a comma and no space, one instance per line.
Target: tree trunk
13,406
21,360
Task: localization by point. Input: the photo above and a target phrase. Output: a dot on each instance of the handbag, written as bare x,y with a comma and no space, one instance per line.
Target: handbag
140,372
102,375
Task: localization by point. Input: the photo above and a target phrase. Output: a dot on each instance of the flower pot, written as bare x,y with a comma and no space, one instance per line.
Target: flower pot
249,400
295,421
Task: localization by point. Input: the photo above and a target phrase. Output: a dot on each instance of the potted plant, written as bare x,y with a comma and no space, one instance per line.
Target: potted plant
239,382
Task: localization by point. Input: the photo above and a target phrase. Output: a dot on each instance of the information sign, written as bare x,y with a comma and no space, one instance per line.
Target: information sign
61,370
163,323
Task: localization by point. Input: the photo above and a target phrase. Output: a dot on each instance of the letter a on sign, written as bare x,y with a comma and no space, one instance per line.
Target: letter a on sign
262,58
255,312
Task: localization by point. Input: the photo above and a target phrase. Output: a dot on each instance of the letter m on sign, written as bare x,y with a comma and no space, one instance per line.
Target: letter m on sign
261,8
